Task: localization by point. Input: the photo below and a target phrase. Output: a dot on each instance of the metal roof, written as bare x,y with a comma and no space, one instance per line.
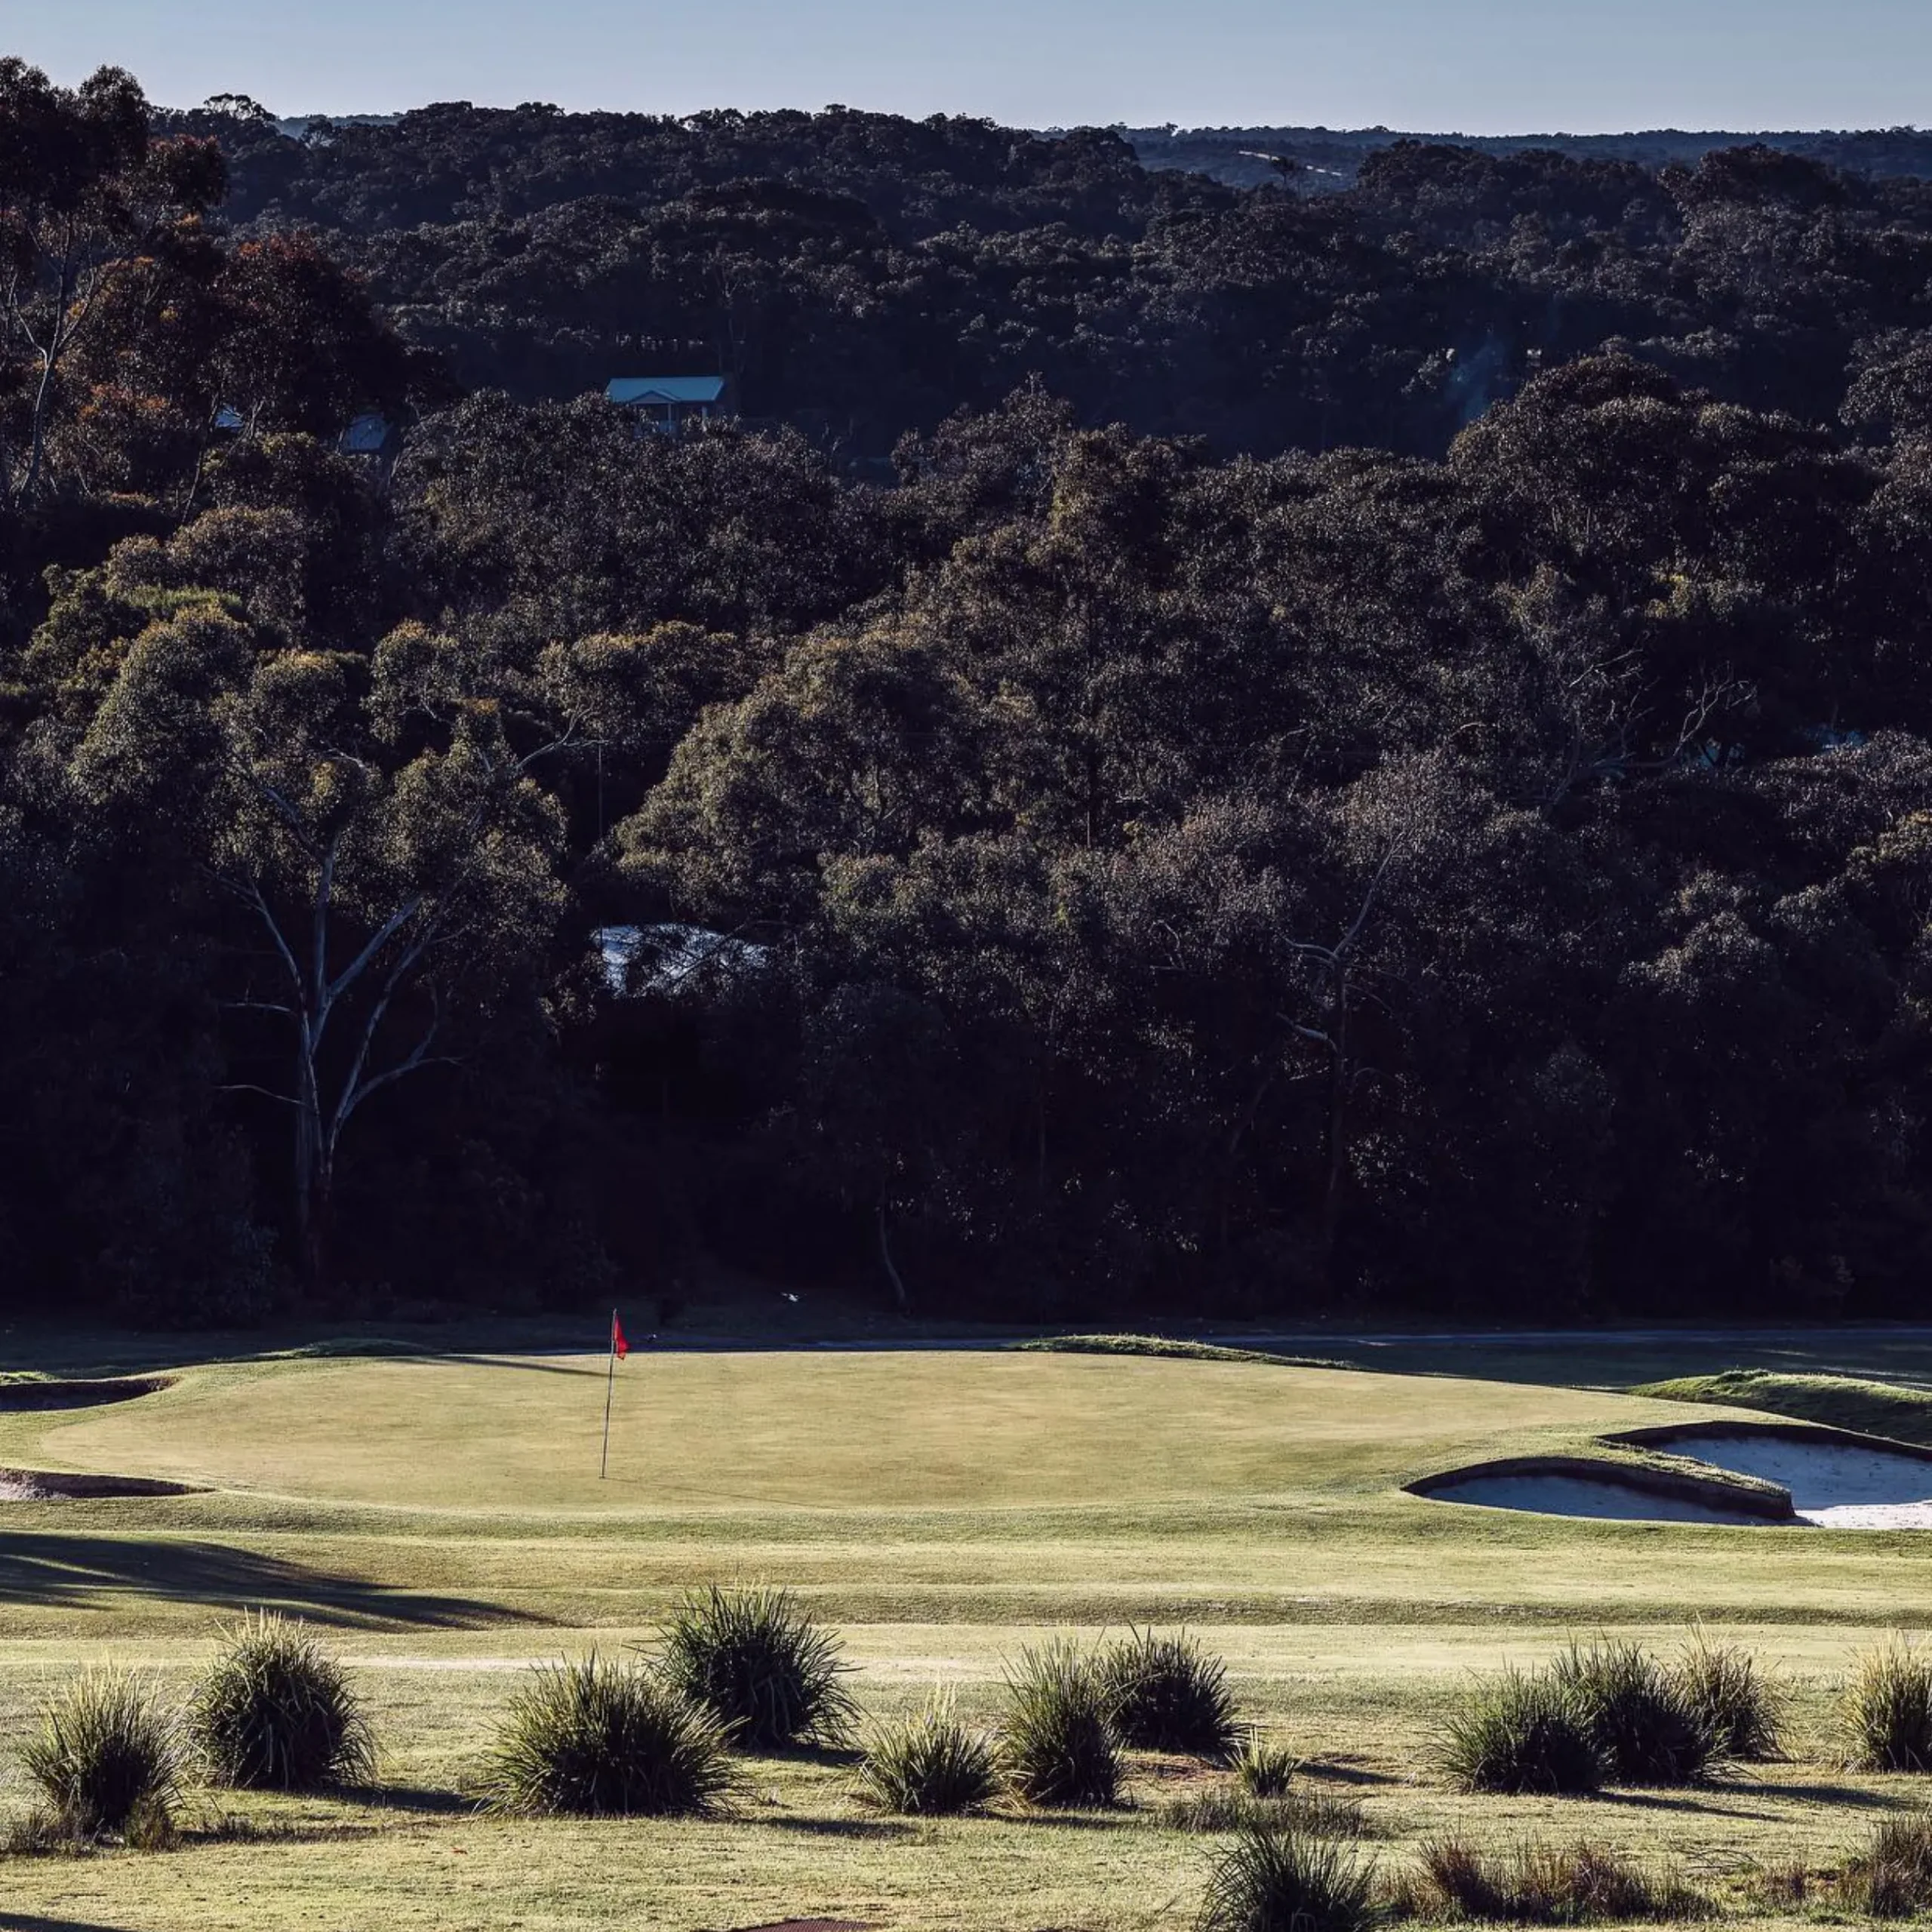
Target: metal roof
367,435
665,388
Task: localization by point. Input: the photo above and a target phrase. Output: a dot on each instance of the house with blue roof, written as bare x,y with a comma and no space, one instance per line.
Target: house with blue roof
665,404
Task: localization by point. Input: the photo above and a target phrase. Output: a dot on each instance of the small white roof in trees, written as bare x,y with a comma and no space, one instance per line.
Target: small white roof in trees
645,391
665,959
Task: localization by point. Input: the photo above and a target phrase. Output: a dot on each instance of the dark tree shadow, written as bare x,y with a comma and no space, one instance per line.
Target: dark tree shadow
428,1799
1344,1773
837,1828
66,1570
28,1922
1820,1794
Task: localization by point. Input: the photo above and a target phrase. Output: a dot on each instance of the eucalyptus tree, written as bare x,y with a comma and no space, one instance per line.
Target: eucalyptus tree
382,826
83,187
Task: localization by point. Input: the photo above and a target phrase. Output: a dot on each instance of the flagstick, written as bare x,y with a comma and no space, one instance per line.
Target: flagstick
610,1385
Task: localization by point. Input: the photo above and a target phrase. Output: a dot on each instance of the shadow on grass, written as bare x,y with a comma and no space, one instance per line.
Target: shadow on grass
1344,1773
838,1828
70,1571
1821,1794
28,1921
1124,1818
830,1757
429,1801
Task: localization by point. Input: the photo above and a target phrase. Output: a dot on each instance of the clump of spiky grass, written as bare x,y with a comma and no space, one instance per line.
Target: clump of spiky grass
1538,1884
1522,1734
1731,1698
1886,1711
1644,1726
275,1711
768,1673
1227,1807
1264,1768
1057,1743
1892,1877
930,1765
602,1740
108,1758
1166,1694
1288,1882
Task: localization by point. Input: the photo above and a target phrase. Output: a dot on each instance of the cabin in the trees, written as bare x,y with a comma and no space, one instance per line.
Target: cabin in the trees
665,404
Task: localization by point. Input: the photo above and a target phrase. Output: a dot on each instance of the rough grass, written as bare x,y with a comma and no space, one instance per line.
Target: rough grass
1841,1402
753,1658
1264,1767
107,1757
1887,1709
1640,1716
1228,1807
1891,1877
1536,1883
930,1765
1164,1692
1056,1739
601,1739
1732,1698
276,1711
1287,1881
1522,1734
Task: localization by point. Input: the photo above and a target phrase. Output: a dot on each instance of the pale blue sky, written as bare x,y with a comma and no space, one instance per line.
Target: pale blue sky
1471,65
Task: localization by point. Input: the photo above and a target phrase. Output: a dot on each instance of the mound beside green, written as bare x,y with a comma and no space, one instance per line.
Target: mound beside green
1842,1401
1166,1346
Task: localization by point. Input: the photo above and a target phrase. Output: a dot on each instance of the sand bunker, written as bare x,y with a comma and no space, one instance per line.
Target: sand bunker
1827,1477
1606,1500
1837,1484
44,1485
18,1396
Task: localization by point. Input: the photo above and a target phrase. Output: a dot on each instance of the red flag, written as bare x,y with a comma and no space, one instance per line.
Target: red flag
619,1346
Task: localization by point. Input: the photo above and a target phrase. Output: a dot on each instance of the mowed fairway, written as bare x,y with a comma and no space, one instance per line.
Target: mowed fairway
443,1514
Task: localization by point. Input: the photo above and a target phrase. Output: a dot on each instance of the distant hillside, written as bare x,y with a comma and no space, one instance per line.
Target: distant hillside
1329,158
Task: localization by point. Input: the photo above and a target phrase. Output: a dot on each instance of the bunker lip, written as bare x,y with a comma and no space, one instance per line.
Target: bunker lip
1807,1434
1730,1501
1736,1471
46,1485
19,1398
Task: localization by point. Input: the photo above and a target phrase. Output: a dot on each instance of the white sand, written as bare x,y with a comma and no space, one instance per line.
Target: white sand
1580,1496
1831,1483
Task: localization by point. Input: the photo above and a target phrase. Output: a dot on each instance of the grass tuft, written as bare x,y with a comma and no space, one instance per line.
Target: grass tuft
1522,1734
599,1740
276,1711
1166,1694
1538,1884
1892,1877
1227,1807
1262,1767
752,1657
930,1766
1288,1881
1644,1725
1057,1743
1732,1699
1886,1711
108,1759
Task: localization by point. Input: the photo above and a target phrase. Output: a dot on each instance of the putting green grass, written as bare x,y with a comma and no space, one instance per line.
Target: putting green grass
442,1513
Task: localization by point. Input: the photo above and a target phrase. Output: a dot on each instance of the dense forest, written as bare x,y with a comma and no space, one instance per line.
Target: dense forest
1194,749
